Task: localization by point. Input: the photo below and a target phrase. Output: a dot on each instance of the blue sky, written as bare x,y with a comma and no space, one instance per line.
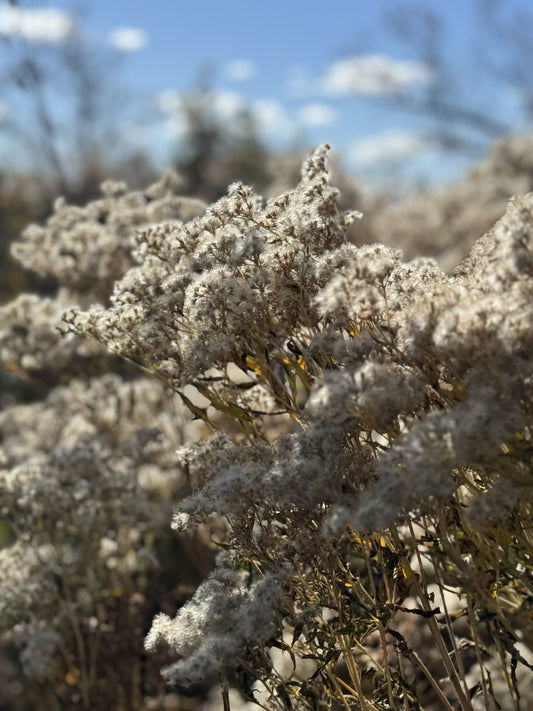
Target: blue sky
309,71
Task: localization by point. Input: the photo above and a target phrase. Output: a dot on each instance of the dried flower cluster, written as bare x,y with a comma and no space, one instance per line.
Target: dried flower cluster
368,471
88,471
410,391
85,485
444,223
85,250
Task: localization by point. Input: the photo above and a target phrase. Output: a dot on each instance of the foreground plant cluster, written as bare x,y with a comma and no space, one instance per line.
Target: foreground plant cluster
359,452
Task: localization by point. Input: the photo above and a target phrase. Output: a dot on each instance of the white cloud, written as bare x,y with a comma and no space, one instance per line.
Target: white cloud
272,118
169,101
36,24
240,69
387,146
4,112
227,104
224,104
175,126
373,74
128,39
317,115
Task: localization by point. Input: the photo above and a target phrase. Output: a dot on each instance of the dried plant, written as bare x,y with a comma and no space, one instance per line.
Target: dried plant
368,474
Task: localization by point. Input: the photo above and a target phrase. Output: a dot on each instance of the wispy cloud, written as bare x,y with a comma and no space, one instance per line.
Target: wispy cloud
224,105
373,75
318,114
273,119
240,69
48,25
227,104
387,146
169,101
170,104
128,39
